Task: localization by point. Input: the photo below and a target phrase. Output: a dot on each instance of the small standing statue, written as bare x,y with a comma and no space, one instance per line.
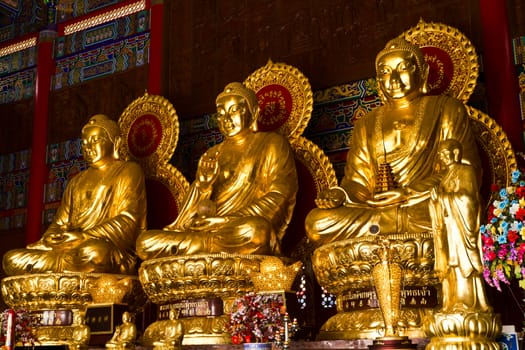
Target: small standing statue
457,206
125,334
465,320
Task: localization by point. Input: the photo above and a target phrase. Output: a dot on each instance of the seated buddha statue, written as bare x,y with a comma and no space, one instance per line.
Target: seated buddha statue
125,334
244,190
400,139
101,213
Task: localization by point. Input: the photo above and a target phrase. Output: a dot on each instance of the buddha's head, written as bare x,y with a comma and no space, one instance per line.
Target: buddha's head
450,151
237,109
100,140
401,70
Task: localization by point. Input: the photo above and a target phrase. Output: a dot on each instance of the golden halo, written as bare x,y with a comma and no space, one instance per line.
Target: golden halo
451,56
285,98
150,131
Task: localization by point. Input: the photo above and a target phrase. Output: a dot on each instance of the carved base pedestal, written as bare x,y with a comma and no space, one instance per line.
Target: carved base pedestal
193,279
58,301
344,269
464,331
367,324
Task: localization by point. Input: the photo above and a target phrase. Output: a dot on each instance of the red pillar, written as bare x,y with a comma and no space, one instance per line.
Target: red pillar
156,47
39,171
500,72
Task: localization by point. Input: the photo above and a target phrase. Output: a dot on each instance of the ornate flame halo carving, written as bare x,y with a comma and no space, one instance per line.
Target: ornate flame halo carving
151,130
285,98
451,56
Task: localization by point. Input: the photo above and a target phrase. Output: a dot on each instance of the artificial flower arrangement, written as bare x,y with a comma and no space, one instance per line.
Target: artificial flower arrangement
503,236
24,325
256,318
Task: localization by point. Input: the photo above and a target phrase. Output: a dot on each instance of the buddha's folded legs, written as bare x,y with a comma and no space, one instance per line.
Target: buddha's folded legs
91,256
329,225
241,235
22,261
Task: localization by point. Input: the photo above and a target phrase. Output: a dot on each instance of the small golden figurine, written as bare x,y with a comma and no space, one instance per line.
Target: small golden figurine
102,211
125,334
403,133
81,333
172,333
244,191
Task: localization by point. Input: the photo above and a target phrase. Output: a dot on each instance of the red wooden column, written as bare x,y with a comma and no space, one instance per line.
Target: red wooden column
156,47
500,72
39,171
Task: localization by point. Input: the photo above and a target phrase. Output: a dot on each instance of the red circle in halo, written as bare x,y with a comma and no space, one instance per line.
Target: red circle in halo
144,135
441,69
275,102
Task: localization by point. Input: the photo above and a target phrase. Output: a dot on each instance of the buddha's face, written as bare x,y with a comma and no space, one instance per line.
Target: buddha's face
398,74
232,114
97,147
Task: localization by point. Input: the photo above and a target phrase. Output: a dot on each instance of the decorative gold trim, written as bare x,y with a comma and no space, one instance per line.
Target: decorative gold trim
316,161
368,324
105,17
173,179
18,46
197,276
494,142
463,331
163,110
68,290
345,265
460,49
297,85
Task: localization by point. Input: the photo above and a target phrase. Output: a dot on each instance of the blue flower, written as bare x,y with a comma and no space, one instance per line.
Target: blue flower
502,239
503,193
515,176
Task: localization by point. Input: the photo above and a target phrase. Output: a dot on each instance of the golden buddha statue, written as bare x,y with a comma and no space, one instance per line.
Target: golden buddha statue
402,136
125,334
244,191
81,333
101,214
172,333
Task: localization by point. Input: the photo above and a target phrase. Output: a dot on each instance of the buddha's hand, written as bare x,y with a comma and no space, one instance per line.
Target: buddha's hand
207,171
387,198
204,223
65,239
331,198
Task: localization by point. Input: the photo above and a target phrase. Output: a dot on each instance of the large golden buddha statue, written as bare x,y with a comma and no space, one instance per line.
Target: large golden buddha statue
101,214
244,191
400,138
